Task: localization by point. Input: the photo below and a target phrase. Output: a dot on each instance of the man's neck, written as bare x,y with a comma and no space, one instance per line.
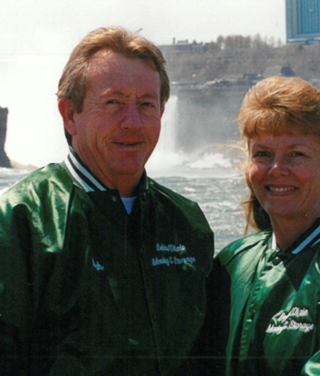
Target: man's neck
126,184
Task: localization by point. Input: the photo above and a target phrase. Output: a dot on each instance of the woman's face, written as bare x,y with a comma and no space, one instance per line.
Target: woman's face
284,171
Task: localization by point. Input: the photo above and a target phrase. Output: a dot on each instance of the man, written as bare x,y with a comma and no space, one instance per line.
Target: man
102,270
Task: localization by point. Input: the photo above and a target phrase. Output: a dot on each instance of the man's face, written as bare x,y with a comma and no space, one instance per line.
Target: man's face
119,125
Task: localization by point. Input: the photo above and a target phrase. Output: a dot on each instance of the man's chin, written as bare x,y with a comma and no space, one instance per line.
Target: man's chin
129,170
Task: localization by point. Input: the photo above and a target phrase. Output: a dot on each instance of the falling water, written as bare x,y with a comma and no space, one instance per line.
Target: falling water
169,160
166,159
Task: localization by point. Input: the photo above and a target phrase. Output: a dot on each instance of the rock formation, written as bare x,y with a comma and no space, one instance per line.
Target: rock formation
4,160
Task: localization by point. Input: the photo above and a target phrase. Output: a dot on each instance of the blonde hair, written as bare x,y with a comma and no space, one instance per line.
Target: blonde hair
72,84
275,106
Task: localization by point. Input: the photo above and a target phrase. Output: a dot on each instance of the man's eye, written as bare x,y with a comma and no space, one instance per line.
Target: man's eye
297,154
112,101
147,104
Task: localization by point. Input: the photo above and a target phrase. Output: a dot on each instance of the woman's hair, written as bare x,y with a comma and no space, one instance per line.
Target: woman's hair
72,84
275,106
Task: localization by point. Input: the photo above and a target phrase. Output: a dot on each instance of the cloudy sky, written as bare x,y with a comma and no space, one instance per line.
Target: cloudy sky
44,26
36,37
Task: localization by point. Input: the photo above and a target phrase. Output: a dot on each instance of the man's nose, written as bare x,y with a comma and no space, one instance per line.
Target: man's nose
131,117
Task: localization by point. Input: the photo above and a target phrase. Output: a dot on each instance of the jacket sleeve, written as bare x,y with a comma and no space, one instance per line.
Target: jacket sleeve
221,315
312,367
15,291
209,353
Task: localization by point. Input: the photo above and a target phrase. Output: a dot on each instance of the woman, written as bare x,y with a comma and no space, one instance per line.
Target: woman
273,326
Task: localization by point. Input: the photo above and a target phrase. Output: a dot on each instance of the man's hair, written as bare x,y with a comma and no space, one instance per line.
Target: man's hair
276,105
72,84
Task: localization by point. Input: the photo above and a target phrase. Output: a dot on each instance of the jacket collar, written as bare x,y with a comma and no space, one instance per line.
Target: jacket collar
309,238
83,176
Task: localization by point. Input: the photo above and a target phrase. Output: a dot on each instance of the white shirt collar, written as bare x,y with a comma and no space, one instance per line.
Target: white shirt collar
312,238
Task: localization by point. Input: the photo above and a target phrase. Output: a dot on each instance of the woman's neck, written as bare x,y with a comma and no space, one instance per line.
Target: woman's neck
287,231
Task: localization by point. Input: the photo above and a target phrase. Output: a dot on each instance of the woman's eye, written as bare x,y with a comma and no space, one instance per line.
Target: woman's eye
261,154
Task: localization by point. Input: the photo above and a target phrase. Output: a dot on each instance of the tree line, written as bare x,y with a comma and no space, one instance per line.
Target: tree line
242,55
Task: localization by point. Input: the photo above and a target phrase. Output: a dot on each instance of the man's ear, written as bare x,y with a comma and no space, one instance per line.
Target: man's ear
68,112
162,109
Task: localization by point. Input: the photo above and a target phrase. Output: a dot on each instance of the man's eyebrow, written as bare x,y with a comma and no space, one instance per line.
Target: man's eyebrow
108,92
154,95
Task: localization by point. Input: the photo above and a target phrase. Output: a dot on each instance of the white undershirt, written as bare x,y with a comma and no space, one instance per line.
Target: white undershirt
128,203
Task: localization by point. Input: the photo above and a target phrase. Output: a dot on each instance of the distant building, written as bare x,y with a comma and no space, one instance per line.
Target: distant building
303,21
278,70
183,47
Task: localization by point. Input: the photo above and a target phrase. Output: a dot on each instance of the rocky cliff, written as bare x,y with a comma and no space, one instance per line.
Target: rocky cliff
4,160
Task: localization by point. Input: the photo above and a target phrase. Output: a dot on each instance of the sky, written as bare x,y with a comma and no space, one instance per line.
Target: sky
37,36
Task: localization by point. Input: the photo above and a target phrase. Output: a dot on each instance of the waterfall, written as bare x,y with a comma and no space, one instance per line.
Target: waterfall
170,159
166,158
168,127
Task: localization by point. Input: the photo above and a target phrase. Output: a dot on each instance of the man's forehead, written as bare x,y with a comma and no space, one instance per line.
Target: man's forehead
112,72
108,58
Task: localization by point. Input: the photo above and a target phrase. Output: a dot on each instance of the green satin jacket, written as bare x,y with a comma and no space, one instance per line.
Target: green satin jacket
270,306
86,289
